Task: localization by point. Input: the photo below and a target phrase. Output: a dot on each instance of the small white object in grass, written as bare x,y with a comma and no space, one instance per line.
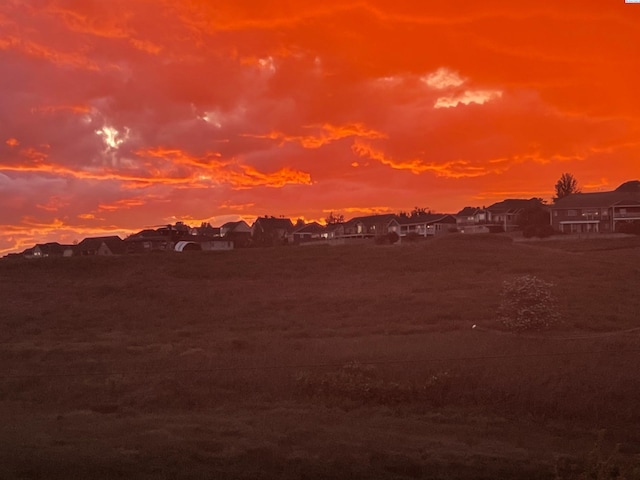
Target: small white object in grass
474,326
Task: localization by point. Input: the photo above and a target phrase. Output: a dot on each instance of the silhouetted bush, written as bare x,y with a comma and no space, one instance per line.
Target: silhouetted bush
529,231
388,239
629,227
393,237
540,231
527,304
412,237
545,231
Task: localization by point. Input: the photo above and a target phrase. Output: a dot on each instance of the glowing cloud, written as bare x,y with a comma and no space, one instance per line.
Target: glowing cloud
467,97
328,133
451,169
443,78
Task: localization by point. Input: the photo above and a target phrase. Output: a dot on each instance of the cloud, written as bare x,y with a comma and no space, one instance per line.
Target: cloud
132,112
327,133
443,78
467,97
451,169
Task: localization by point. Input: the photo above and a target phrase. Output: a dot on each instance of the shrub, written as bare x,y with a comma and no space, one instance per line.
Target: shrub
540,231
529,231
632,227
388,239
527,303
545,231
393,237
413,237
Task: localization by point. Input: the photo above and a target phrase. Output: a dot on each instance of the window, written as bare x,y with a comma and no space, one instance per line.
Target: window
572,213
591,213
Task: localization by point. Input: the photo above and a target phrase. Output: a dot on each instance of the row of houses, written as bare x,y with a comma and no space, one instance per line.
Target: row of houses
616,211
600,212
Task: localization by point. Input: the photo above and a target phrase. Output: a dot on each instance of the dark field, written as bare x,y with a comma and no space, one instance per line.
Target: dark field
321,362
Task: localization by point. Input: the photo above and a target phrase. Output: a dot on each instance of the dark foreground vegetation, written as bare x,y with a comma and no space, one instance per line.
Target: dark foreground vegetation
321,362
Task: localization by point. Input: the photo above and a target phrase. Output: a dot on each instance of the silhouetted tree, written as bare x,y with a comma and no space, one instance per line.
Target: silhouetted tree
566,185
535,221
334,218
416,212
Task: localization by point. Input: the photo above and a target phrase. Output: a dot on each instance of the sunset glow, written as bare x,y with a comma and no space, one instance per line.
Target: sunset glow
122,114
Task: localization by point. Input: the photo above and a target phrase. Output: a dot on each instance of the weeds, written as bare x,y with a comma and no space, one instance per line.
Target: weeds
364,384
527,303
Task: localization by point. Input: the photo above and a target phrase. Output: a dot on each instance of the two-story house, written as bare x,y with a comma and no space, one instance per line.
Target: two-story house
603,212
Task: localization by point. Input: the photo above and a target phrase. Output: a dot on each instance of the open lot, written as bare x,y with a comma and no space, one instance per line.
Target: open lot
321,362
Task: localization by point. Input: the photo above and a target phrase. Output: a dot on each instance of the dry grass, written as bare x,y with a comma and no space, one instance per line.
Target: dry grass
231,364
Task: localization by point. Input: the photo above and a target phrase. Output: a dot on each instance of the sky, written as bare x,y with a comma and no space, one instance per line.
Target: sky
116,115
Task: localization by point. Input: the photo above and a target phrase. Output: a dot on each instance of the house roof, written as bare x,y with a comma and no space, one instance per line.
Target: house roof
274,223
313,227
231,226
371,220
51,248
469,211
425,218
599,199
115,244
513,205
632,186
333,226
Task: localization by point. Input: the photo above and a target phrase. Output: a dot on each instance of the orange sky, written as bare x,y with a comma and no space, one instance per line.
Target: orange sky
128,113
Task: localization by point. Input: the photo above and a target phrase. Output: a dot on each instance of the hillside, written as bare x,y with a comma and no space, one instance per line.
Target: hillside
311,362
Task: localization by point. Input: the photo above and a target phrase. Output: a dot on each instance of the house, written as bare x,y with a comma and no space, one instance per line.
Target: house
473,220
149,240
504,215
203,243
270,231
472,216
368,226
306,233
111,245
216,244
206,230
333,231
238,232
51,249
423,225
598,212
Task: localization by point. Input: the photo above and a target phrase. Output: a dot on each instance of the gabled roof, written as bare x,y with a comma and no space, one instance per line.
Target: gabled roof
632,186
231,226
313,227
51,248
371,220
208,230
469,211
273,223
513,205
599,199
425,218
115,244
333,226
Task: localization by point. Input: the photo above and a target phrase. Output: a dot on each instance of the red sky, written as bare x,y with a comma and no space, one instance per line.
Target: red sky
117,115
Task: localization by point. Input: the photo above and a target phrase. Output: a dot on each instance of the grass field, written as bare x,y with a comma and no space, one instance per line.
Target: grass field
321,362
